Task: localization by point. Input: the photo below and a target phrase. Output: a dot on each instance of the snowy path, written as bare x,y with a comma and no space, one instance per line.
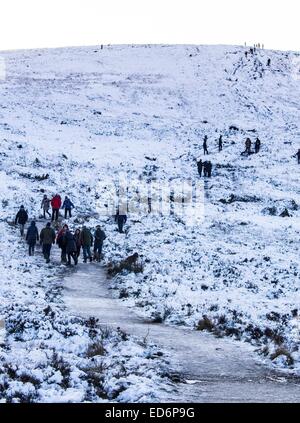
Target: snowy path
216,370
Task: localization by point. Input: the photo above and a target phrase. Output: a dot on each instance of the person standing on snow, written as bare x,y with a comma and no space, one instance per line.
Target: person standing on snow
46,206
86,238
68,206
200,167
120,219
56,205
99,237
298,156
248,145
257,145
71,247
21,219
47,238
32,237
61,242
205,145
220,143
78,242
209,169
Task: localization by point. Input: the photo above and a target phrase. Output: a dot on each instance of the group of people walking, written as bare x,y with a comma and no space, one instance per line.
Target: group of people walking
70,243
56,204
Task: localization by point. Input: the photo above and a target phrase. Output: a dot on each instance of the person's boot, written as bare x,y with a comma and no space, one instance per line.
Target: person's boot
91,259
84,260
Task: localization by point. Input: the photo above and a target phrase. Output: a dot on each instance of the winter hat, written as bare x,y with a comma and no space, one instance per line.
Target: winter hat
22,207
48,225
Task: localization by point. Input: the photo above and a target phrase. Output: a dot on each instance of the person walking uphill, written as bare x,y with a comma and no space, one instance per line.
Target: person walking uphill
56,205
99,237
46,206
78,241
32,237
21,219
61,242
120,219
68,206
47,238
86,242
71,247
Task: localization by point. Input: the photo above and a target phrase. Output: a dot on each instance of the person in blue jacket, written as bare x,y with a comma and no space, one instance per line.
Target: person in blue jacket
68,206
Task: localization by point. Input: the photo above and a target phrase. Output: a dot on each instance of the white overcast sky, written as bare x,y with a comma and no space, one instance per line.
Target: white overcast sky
55,23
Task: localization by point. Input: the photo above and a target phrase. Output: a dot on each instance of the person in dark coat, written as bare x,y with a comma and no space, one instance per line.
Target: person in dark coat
21,219
269,62
209,169
120,219
32,237
205,145
298,156
46,206
56,205
220,143
99,237
68,206
205,169
200,167
78,242
61,242
86,238
47,238
257,145
248,145
71,247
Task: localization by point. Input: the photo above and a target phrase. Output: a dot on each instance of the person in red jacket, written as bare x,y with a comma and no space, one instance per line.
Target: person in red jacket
56,205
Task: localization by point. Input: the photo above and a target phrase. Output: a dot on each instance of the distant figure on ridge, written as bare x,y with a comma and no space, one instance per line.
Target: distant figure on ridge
120,219
200,167
220,143
248,144
205,150
257,145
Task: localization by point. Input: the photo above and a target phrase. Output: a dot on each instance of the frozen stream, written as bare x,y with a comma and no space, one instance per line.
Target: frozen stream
215,370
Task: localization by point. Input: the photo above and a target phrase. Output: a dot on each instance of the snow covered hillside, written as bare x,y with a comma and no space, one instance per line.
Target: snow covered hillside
83,115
